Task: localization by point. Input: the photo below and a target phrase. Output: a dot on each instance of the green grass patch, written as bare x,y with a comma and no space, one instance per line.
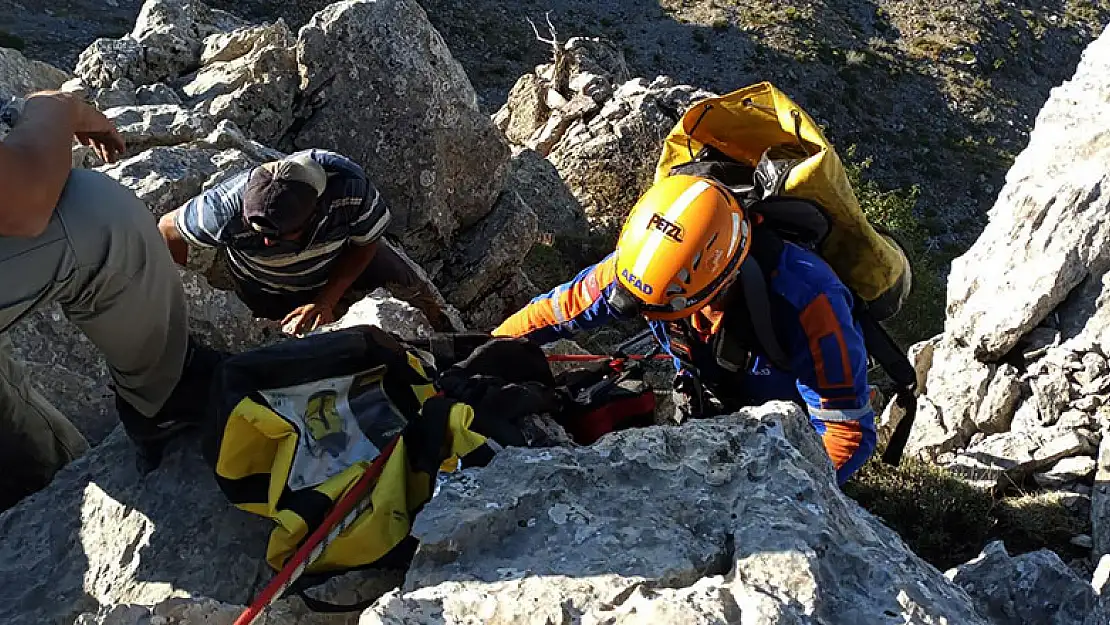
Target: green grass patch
948,522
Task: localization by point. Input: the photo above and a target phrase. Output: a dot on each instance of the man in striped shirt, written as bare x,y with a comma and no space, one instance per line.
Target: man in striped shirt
298,237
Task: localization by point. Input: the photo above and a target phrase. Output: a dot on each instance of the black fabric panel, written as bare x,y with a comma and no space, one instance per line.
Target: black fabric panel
309,504
251,489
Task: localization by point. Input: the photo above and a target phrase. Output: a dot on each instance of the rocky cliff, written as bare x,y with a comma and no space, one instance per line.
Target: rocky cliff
1015,389
731,520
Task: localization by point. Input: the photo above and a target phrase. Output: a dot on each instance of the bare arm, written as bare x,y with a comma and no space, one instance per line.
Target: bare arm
348,267
35,158
179,248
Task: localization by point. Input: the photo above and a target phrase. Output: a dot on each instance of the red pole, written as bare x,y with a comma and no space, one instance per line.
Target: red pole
337,520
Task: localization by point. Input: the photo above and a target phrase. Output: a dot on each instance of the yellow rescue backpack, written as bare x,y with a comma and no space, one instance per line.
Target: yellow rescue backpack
760,124
297,424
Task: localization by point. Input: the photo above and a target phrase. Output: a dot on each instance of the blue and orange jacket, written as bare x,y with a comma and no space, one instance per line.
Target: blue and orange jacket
815,326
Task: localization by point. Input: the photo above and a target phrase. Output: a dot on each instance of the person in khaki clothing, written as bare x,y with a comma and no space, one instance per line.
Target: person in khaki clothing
82,240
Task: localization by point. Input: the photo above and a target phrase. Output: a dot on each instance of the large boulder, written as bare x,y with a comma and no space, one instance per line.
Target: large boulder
250,77
166,42
1035,587
1017,382
20,75
381,87
599,129
1048,230
736,519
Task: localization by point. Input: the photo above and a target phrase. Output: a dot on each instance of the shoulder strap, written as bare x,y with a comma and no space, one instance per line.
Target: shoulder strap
896,364
748,318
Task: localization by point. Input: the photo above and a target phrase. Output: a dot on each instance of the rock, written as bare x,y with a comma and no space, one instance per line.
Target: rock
503,301
996,411
165,43
229,46
102,535
931,435
165,177
120,93
157,93
957,384
921,355
1100,502
539,185
1052,393
383,310
108,60
251,78
596,57
1027,418
227,136
486,255
626,131
1047,231
524,112
1034,587
1094,367
144,127
540,534
393,99
1083,541
172,33
20,75
1090,403
1066,471
1008,458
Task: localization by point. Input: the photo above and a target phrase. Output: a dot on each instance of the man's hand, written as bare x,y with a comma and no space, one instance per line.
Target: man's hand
307,318
94,130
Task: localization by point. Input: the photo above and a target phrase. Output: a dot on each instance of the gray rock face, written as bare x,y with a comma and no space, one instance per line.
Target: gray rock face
20,75
609,160
544,533
147,126
102,535
538,183
384,89
1019,379
486,255
1048,231
249,77
1034,587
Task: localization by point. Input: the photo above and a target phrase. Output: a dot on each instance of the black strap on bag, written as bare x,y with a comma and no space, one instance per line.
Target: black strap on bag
896,364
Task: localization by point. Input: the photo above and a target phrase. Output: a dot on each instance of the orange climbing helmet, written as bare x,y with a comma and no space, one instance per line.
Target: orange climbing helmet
681,245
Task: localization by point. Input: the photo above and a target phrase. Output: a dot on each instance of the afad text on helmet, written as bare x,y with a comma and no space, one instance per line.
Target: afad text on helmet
646,289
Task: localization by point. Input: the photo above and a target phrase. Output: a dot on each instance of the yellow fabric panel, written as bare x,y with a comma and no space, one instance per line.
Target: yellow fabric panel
743,124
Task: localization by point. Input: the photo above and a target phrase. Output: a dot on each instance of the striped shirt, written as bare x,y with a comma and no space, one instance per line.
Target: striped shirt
350,210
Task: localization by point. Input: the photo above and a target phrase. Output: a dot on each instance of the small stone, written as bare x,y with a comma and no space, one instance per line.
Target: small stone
1087,403
1083,541
1066,471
